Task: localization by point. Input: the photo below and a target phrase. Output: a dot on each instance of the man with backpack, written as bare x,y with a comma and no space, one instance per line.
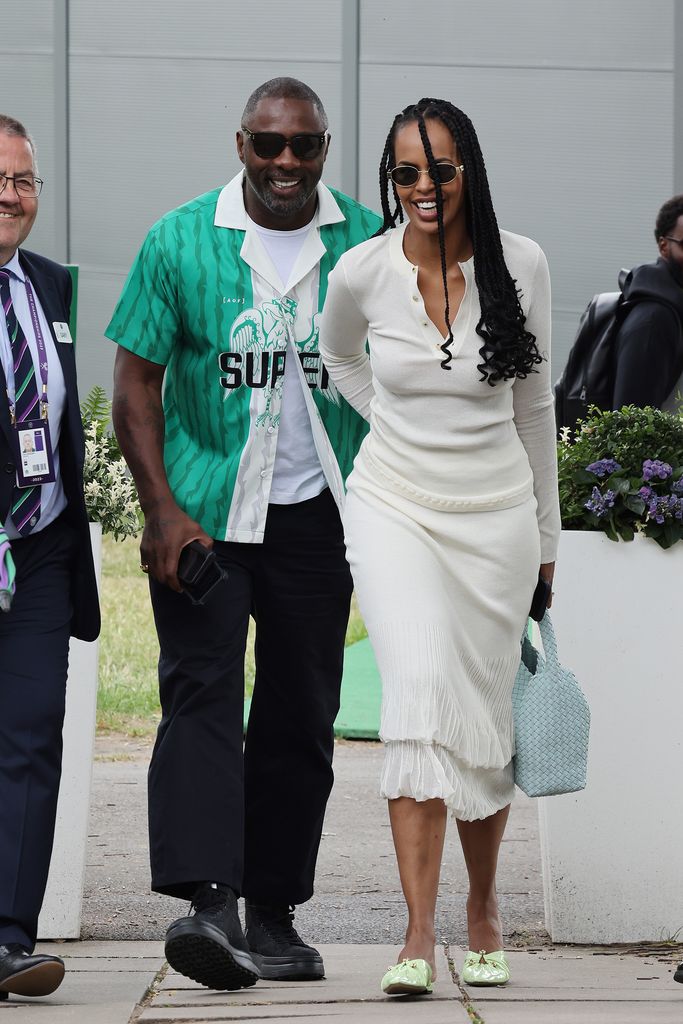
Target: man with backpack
629,346
649,343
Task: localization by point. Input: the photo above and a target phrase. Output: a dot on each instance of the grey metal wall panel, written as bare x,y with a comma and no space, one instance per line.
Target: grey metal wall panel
26,90
578,159
288,33
27,27
550,33
98,292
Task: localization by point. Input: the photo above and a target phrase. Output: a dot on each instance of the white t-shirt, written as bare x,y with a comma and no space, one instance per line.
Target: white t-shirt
297,473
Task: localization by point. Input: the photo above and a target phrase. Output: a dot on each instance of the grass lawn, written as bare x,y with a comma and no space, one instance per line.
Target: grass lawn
128,699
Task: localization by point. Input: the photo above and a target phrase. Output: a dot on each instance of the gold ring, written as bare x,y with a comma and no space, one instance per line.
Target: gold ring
144,566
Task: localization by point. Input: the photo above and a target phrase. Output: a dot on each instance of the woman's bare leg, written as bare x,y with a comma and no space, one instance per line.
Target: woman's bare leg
480,844
419,828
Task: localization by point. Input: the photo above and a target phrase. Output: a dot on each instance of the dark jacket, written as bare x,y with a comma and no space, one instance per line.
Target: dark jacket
52,285
649,343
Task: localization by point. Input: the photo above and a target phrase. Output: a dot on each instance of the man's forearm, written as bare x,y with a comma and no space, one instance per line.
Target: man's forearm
138,418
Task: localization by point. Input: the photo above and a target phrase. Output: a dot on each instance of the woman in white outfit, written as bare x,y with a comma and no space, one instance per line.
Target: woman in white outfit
452,505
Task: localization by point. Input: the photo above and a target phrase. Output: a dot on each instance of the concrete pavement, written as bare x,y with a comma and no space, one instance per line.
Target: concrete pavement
129,983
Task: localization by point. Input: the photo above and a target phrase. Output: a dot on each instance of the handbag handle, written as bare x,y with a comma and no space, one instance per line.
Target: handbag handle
548,638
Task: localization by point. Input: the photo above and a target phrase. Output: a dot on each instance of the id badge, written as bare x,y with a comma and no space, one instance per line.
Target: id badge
34,461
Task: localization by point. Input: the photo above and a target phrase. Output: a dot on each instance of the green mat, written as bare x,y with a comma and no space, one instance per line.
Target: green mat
361,695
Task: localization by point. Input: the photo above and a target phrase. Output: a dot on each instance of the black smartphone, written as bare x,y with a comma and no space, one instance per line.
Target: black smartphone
539,602
199,571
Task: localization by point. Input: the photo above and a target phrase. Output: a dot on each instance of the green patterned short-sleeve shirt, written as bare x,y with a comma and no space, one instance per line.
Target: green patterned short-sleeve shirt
202,299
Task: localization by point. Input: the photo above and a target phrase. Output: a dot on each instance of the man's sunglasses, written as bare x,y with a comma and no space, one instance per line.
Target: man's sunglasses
406,175
268,145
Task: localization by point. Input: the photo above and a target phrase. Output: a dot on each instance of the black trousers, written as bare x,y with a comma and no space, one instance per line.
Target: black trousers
34,649
250,815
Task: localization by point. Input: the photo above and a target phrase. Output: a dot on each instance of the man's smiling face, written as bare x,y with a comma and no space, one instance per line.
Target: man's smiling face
17,213
280,192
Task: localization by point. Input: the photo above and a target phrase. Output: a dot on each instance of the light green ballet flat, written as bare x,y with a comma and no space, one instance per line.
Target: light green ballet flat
409,977
485,968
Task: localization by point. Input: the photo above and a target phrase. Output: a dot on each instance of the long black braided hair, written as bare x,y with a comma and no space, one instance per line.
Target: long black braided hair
509,350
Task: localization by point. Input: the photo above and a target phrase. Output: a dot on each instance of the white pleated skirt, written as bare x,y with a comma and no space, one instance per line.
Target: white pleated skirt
445,597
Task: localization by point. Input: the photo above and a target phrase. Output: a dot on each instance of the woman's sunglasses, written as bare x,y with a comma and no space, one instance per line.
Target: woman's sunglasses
268,145
406,175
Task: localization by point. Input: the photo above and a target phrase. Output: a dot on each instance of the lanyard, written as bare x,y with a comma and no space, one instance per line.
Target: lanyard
42,352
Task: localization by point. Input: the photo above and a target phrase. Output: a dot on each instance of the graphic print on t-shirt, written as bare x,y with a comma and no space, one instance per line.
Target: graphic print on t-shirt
256,358
261,338
258,354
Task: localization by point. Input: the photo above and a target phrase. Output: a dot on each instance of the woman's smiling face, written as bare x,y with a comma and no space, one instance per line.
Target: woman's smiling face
419,200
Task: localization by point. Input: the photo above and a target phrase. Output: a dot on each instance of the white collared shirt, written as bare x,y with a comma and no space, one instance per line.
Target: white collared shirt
52,499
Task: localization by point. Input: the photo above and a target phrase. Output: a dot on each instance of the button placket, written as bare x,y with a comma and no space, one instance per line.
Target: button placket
423,320
416,298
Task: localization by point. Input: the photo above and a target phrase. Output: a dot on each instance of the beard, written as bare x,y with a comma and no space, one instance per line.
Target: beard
280,206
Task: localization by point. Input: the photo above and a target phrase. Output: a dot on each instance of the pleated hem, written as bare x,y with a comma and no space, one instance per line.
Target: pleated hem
427,771
437,693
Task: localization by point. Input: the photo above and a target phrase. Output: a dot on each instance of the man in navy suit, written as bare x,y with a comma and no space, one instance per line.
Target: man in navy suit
42,511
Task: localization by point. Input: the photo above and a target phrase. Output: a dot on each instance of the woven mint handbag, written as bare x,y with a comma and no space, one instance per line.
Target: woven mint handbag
552,721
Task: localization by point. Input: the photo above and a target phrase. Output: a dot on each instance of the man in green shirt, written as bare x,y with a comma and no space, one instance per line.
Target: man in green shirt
246,453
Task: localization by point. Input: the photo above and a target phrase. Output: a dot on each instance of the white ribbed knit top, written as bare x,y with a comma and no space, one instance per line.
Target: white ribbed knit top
444,438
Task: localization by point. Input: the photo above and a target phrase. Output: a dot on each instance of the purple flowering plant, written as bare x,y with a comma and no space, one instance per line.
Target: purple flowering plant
622,473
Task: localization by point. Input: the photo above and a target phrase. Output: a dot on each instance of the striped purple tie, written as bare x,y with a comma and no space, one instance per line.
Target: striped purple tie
25,500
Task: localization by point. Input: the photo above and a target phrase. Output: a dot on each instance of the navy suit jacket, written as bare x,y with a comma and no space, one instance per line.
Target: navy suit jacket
52,285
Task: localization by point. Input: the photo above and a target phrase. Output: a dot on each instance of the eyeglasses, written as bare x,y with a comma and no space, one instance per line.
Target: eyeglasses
678,241
406,175
268,145
29,187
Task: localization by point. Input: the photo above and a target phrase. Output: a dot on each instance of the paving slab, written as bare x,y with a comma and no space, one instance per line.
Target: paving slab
586,1013
104,982
406,1013
350,992
352,972
583,974
567,984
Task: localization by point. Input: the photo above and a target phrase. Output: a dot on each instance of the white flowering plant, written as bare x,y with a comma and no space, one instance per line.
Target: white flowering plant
110,495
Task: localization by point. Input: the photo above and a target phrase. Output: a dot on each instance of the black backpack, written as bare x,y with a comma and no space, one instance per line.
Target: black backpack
588,377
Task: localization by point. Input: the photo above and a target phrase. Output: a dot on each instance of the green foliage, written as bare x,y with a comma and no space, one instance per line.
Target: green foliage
110,495
626,500
96,412
96,407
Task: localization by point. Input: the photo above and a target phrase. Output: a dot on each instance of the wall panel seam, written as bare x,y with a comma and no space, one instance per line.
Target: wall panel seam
264,56
638,69
34,51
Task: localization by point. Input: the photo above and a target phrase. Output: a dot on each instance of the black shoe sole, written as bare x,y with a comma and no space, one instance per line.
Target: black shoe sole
40,980
282,968
198,951
678,976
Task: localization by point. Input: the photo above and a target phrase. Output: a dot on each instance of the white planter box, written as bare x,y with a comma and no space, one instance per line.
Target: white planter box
613,854
60,917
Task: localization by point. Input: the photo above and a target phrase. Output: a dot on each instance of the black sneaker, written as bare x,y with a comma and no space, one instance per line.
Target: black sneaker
277,949
678,976
209,946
